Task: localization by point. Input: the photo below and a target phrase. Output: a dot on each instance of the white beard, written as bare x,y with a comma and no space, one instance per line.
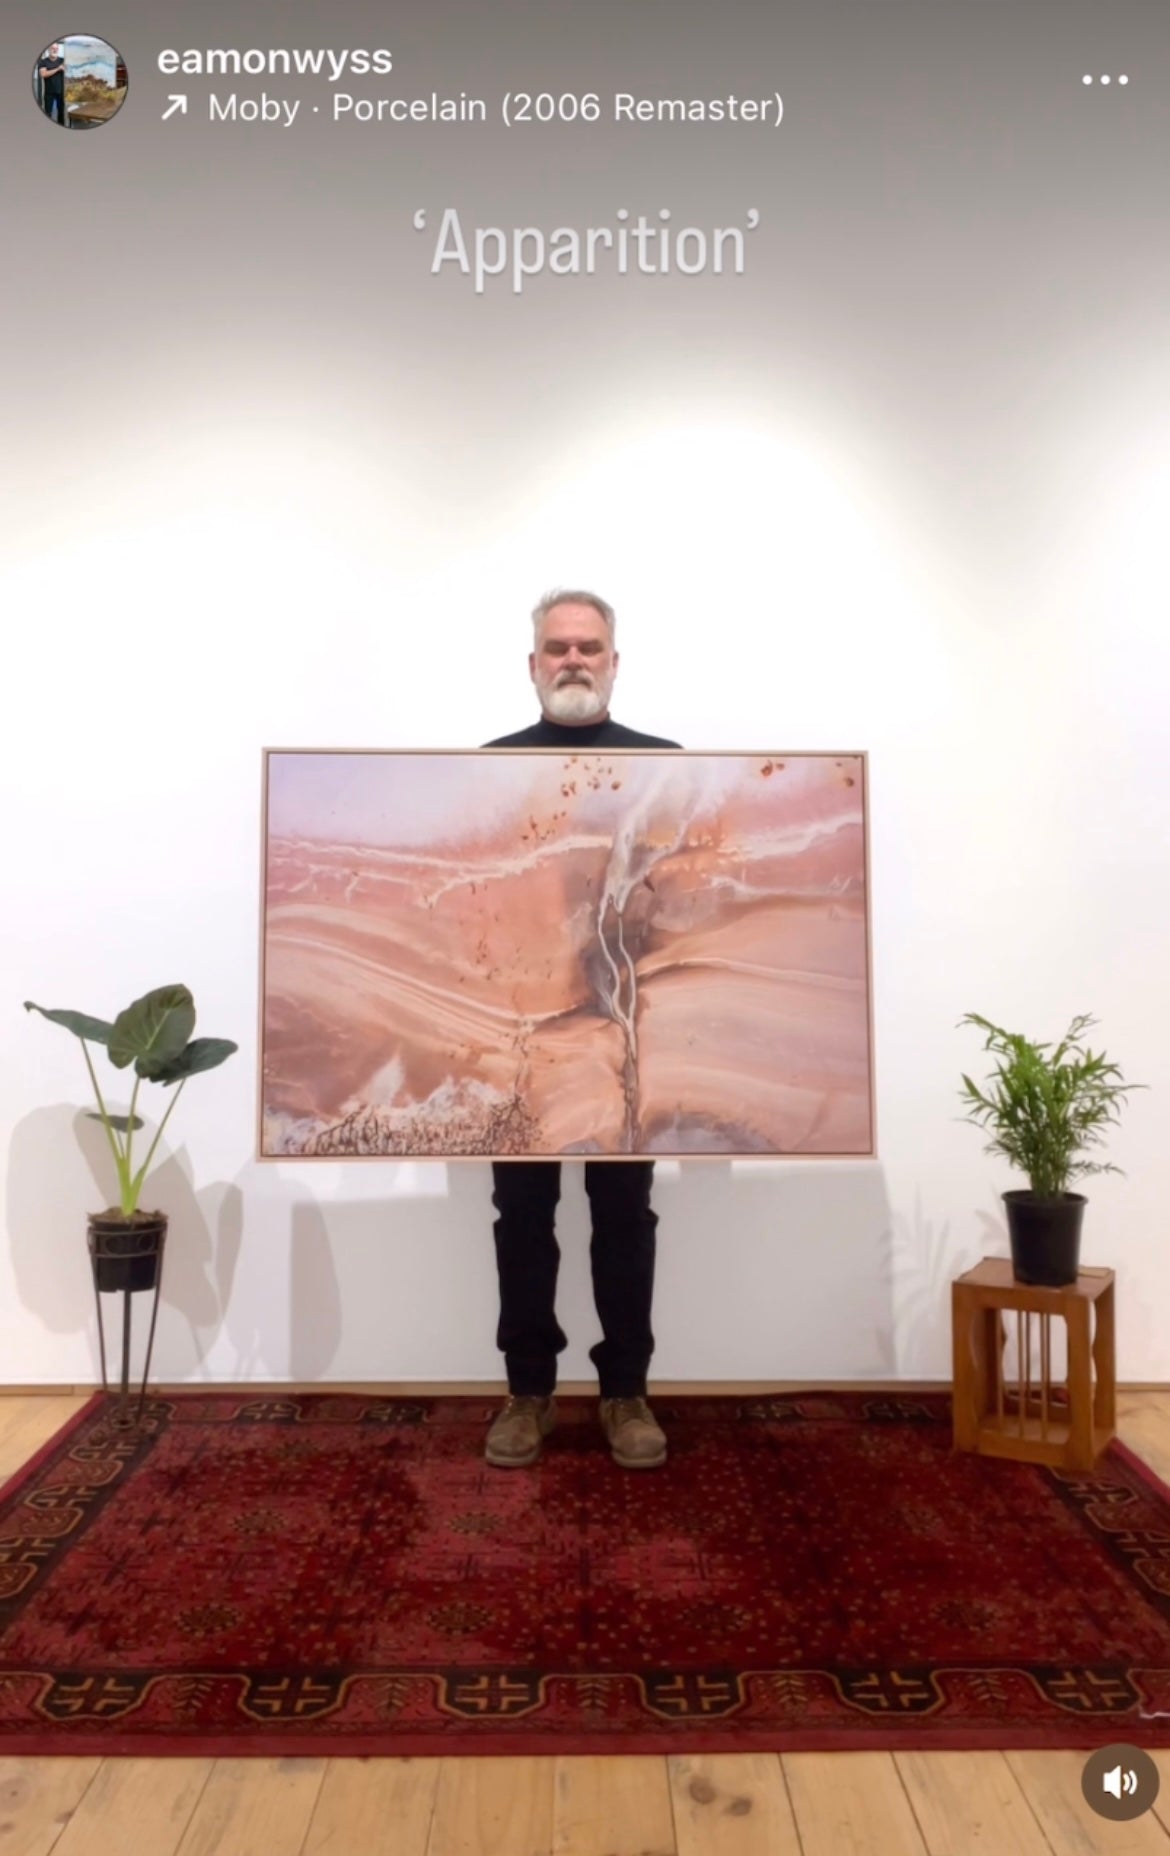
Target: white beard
574,702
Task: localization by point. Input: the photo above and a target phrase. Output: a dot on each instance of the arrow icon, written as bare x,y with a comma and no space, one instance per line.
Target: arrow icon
176,103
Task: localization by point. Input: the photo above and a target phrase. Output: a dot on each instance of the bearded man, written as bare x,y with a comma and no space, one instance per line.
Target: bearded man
573,665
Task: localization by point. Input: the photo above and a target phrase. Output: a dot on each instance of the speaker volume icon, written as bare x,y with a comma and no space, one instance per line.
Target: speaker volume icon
1118,1781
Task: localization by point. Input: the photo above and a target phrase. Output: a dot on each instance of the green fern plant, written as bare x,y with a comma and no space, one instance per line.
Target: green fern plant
1044,1107
154,1034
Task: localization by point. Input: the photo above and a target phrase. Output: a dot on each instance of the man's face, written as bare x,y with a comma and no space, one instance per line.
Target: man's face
574,664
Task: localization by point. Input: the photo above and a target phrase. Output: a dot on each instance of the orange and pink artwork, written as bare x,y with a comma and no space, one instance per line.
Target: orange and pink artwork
527,953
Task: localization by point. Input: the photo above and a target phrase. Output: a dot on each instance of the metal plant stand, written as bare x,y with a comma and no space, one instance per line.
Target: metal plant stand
127,1260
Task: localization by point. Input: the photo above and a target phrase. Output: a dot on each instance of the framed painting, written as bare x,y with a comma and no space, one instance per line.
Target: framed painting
529,953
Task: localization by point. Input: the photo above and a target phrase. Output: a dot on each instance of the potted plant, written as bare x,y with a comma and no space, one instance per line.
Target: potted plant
154,1034
1044,1107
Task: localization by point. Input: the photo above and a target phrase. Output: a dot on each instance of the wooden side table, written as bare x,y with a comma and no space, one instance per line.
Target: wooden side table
1068,1425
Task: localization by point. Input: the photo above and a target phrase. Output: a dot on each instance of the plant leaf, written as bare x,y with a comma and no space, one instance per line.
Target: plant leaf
121,1122
81,1025
200,1054
153,1030
1044,1106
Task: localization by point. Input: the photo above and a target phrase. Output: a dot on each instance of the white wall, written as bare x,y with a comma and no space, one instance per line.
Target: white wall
903,488
1016,806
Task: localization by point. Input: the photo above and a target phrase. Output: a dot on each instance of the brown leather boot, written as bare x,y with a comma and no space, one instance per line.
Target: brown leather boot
519,1430
636,1441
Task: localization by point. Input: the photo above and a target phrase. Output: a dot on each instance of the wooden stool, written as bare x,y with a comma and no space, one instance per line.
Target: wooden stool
1067,1426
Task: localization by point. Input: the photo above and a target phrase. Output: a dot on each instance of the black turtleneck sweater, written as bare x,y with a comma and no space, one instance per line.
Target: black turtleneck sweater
606,734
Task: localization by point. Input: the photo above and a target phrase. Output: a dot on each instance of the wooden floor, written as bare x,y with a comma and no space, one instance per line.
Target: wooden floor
791,1804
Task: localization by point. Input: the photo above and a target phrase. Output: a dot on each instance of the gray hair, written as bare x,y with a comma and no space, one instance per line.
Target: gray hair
570,596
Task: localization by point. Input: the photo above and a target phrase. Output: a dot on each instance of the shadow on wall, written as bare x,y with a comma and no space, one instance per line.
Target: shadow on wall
59,1170
805,1262
255,1267
790,1271
921,1260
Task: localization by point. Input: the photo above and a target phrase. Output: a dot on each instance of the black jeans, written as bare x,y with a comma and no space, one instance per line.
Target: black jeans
621,1255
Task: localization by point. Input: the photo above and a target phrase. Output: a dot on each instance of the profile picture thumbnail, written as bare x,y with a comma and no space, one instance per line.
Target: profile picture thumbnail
80,81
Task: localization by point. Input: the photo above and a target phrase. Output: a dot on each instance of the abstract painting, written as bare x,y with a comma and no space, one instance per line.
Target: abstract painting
530,953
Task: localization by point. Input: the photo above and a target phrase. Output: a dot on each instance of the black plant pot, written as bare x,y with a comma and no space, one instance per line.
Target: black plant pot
126,1253
1045,1237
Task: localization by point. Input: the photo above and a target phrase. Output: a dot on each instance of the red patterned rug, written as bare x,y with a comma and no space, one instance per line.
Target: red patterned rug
337,1574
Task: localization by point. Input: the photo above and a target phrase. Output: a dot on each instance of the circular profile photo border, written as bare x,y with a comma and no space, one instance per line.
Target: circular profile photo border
62,119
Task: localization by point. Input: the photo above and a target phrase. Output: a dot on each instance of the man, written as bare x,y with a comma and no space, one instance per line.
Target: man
573,666
52,75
